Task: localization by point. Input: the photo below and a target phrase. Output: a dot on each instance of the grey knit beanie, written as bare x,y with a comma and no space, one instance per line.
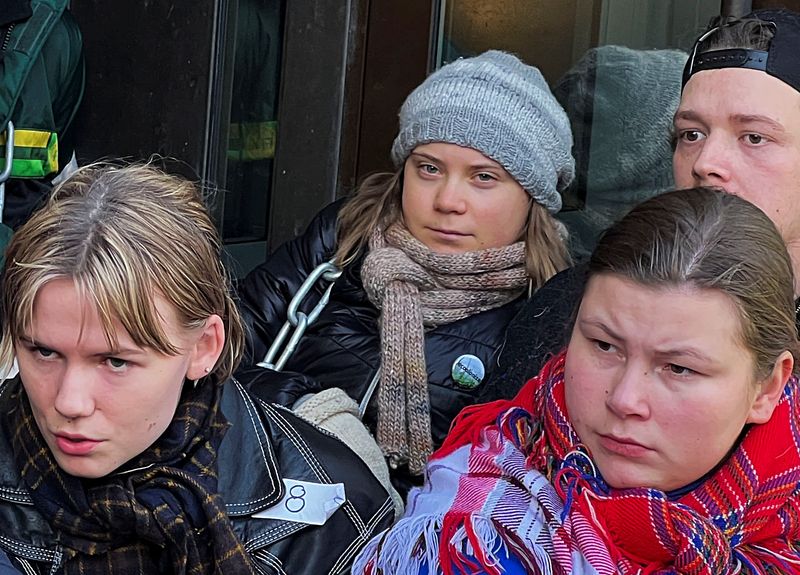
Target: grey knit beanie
496,104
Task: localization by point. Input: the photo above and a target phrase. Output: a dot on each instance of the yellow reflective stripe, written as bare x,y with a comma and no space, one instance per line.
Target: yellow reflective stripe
52,153
29,138
33,161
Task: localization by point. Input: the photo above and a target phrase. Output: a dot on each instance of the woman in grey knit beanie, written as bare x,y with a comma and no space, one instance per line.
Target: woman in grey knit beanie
437,256
502,108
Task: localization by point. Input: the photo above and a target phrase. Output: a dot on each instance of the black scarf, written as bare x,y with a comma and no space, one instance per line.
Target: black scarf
159,513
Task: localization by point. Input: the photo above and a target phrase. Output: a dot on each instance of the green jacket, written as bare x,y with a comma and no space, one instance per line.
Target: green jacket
42,72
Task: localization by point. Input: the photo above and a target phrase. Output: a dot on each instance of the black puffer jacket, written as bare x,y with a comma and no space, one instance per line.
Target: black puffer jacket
264,447
539,331
342,348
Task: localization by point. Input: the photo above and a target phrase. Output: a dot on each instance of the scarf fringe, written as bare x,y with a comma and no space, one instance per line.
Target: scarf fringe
454,544
758,560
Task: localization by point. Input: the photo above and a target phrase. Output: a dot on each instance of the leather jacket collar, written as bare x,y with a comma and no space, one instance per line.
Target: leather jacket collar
256,486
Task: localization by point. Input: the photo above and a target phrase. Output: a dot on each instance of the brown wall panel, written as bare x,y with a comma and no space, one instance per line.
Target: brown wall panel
396,61
147,79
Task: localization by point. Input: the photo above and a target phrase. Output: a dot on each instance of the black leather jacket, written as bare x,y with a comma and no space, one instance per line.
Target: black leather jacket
342,348
264,445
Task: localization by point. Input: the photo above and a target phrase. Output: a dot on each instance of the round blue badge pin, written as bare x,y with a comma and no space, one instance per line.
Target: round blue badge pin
468,371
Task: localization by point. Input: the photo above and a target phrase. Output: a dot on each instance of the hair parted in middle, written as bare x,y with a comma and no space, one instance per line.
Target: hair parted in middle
378,202
124,235
709,239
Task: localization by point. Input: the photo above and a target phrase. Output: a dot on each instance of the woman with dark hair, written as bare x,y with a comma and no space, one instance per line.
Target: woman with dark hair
664,439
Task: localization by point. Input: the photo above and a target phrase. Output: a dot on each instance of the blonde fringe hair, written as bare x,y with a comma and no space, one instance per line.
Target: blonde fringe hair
124,235
377,201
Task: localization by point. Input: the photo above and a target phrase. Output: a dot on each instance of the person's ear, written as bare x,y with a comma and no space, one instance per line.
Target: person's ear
206,349
771,389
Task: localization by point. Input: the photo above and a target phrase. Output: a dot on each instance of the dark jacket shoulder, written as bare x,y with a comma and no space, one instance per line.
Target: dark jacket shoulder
265,293
25,536
541,329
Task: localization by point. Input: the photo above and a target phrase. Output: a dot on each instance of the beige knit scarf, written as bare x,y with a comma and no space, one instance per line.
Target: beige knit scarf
415,289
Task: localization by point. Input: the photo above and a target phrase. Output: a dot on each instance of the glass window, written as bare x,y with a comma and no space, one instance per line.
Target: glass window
253,127
615,66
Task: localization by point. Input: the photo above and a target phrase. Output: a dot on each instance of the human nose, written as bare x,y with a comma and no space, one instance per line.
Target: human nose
627,396
74,397
712,164
450,197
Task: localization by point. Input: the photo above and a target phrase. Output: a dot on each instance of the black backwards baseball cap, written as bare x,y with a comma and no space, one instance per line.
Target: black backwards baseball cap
781,60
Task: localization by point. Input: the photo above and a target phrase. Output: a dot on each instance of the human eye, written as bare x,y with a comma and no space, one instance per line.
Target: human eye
486,177
679,370
37,352
754,139
43,352
603,346
690,136
116,364
428,169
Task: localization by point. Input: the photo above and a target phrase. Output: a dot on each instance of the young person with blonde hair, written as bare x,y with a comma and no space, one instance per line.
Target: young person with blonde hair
435,257
125,445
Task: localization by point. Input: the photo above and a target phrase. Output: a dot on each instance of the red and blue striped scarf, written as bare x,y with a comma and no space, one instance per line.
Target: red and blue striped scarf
743,518
510,488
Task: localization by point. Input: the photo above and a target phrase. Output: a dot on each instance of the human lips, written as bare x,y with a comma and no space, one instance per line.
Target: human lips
448,232
75,444
624,446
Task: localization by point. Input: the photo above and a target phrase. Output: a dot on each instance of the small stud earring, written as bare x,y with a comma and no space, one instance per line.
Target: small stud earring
207,369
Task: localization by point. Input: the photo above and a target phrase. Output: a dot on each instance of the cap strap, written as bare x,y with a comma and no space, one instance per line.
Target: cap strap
730,58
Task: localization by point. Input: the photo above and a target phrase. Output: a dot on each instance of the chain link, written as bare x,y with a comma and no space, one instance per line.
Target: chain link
298,321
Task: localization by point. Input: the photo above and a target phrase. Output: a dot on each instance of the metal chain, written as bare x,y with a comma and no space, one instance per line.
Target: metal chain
9,164
299,320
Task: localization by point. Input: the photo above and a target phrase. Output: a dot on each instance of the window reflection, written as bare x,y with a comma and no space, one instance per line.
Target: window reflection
253,129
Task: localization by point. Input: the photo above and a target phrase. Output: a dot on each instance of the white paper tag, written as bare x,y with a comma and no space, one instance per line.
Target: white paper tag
305,502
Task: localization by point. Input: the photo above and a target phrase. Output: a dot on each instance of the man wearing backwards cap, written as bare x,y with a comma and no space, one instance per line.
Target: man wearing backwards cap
737,127
738,122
